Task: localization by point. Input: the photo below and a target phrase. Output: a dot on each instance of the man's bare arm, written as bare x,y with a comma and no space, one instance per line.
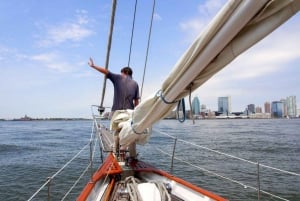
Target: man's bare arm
98,68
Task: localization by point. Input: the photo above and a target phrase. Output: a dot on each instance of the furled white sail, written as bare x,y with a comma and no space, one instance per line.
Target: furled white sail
238,26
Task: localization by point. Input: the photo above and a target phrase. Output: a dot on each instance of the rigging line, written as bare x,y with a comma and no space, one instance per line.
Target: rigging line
149,36
224,154
112,21
181,105
59,171
132,31
190,102
218,175
76,182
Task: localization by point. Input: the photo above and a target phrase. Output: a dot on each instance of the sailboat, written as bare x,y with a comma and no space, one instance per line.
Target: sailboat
238,26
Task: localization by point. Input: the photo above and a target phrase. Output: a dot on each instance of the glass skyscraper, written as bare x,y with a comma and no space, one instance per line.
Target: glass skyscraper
291,106
277,109
196,106
224,105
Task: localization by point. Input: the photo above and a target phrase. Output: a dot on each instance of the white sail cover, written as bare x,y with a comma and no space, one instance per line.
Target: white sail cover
238,26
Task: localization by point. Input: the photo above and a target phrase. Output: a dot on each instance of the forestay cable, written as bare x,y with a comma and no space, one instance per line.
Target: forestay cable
112,21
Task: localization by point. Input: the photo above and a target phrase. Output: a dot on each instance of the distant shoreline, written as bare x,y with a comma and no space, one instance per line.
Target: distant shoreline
46,119
87,119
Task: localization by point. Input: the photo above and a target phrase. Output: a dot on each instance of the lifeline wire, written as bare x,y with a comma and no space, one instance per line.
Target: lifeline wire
219,175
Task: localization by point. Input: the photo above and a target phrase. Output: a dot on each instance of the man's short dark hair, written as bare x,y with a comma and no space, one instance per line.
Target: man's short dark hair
127,71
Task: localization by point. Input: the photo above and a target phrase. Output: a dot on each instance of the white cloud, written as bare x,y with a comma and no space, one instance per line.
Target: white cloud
53,61
11,54
268,56
211,7
82,17
195,25
192,25
156,16
75,31
5,51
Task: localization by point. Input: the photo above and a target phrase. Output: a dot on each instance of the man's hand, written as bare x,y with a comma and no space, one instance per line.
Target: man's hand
91,62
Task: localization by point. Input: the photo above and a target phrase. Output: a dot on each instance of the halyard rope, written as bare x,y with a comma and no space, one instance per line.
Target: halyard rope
132,31
190,102
148,45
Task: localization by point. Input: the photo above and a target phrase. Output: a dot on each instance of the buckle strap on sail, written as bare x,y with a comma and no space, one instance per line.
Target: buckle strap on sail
160,94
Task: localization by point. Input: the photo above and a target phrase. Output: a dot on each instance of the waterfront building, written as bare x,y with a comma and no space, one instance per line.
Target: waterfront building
258,110
196,106
285,110
291,106
251,108
224,105
203,110
267,107
277,109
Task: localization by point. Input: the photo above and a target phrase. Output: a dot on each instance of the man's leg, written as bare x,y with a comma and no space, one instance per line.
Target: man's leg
116,148
132,150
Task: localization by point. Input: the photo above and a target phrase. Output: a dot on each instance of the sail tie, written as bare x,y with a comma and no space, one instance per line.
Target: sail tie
180,105
160,94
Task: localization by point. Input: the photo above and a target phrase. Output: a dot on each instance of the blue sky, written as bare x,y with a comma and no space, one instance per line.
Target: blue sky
45,47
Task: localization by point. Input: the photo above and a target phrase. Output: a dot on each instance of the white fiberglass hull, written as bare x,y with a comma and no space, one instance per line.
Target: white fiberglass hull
138,180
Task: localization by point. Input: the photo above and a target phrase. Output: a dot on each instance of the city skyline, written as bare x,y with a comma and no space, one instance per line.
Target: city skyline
197,106
262,105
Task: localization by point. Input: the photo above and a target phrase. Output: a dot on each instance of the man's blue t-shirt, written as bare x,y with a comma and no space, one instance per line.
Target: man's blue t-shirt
125,91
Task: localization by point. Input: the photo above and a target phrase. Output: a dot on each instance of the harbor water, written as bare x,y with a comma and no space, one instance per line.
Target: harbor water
222,156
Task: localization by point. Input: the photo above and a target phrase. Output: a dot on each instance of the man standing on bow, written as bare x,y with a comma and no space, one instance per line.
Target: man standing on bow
126,90
126,94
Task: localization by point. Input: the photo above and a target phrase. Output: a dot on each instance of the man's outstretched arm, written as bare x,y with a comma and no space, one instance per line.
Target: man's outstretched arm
98,68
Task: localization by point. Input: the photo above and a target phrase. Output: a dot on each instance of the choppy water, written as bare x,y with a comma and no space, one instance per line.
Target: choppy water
31,151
